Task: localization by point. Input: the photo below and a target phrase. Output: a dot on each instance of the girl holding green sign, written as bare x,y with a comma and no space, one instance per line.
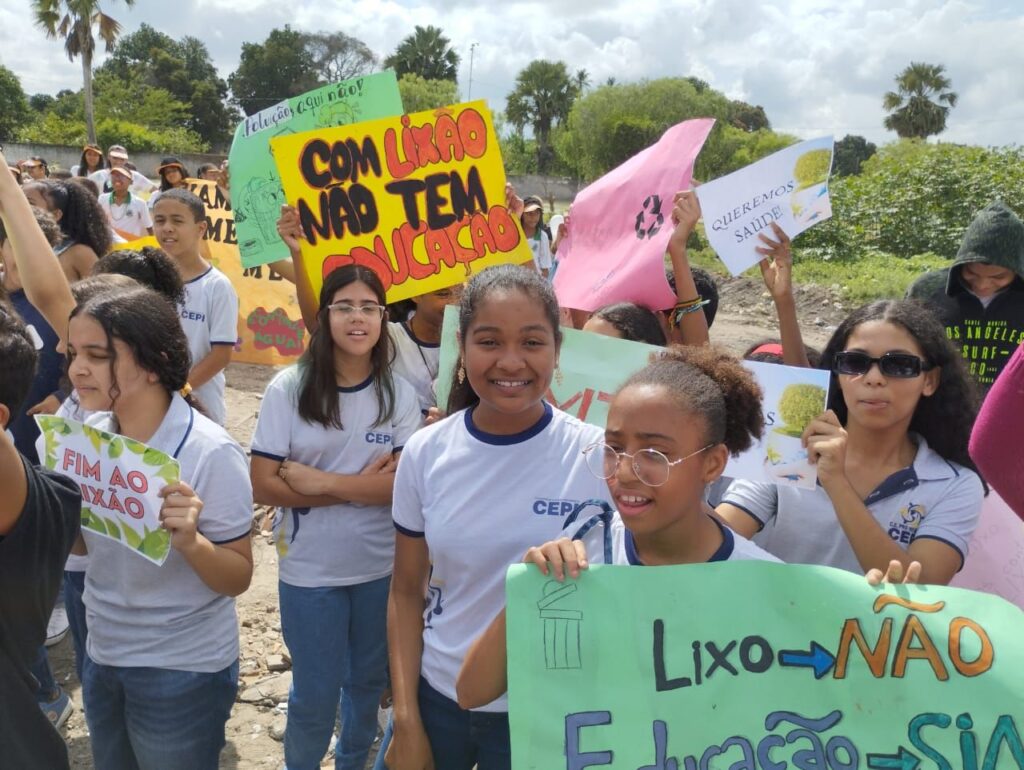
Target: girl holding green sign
161,672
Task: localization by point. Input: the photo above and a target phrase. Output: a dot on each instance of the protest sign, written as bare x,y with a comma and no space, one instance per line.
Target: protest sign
270,327
789,188
754,666
592,368
620,226
255,183
793,397
419,198
120,481
995,555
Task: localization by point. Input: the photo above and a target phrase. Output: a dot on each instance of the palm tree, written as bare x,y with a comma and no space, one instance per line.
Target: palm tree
543,95
921,102
427,53
582,81
73,21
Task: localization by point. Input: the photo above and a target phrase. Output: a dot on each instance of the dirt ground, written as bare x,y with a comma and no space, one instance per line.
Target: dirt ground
254,731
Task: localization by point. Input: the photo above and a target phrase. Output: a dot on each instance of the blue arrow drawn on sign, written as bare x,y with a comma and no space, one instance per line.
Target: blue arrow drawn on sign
818,658
904,760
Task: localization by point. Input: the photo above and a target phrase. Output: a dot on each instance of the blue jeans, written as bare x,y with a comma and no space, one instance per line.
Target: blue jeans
459,739
44,675
337,638
156,718
74,586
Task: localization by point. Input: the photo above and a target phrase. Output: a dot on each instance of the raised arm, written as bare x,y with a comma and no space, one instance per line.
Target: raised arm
777,271
687,324
291,233
39,270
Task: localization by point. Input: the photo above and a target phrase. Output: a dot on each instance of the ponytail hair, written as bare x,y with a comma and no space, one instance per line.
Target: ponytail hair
709,382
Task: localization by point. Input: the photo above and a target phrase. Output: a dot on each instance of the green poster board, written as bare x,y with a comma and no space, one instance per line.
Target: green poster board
256,194
755,666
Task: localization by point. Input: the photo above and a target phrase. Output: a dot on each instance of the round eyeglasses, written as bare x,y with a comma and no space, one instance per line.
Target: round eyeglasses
650,466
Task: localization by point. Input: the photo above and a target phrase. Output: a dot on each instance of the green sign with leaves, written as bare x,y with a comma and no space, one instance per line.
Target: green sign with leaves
120,479
754,666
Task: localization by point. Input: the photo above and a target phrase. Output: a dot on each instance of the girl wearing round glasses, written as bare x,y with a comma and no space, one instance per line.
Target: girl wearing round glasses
895,481
670,431
325,451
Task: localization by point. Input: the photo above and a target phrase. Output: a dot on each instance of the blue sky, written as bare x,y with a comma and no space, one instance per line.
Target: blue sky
816,66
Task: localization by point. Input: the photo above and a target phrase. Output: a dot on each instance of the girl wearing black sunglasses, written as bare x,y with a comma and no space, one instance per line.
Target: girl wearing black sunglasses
894,477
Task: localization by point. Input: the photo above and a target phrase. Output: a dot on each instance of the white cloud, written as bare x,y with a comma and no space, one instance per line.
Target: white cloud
817,66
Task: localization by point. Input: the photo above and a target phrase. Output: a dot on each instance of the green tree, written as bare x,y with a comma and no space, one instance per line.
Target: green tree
747,116
542,98
919,106
419,94
41,102
73,21
427,53
337,56
183,69
14,109
851,152
273,70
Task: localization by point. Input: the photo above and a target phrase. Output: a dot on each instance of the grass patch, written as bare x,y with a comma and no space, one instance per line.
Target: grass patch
877,275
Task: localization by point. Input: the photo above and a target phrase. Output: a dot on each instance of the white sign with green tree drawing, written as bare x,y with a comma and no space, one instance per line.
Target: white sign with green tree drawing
793,397
788,188
120,479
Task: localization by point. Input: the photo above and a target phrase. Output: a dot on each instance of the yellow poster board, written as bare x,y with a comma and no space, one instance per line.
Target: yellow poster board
270,327
419,199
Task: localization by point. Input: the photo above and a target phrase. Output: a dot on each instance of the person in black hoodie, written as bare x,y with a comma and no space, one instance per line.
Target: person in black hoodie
980,297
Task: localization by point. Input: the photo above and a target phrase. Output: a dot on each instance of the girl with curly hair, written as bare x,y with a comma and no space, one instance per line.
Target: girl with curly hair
895,481
82,221
670,431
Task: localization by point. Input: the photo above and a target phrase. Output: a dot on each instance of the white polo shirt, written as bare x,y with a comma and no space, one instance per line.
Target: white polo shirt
141,614
416,361
933,498
348,543
481,500
210,317
605,534
130,218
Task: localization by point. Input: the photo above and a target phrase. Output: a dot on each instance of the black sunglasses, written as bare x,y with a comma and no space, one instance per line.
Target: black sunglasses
900,365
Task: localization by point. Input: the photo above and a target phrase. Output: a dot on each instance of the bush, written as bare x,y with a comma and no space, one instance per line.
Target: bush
915,198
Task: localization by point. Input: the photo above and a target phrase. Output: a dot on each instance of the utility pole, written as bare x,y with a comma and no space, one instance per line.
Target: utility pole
472,50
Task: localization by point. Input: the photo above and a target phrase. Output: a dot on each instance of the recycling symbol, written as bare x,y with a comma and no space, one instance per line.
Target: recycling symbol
649,219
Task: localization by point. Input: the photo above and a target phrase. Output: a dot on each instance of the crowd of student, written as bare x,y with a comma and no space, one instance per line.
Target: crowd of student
398,516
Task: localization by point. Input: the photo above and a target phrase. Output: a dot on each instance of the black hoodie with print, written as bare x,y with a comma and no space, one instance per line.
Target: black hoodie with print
987,336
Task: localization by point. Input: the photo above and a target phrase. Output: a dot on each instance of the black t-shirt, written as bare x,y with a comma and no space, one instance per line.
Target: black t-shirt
32,557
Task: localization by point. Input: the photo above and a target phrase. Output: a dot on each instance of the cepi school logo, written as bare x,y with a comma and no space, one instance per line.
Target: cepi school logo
546,507
911,516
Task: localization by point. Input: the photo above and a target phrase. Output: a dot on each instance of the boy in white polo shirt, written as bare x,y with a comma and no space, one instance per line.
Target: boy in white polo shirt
209,314
128,214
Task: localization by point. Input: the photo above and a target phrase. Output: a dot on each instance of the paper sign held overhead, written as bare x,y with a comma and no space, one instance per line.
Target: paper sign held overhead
620,226
255,183
419,199
120,481
789,188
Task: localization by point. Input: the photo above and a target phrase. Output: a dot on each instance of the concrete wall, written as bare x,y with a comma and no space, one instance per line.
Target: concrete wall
562,189
58,156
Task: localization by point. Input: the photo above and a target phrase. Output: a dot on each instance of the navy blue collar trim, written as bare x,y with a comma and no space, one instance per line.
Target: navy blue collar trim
355,388
407,327
512,438
722,554
201,275
188,430
898,482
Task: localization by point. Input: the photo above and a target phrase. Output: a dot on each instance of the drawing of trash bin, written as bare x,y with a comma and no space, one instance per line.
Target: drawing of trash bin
561,627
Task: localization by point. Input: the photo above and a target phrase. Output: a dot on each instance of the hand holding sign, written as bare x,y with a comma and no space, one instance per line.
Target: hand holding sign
825,439
179,515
